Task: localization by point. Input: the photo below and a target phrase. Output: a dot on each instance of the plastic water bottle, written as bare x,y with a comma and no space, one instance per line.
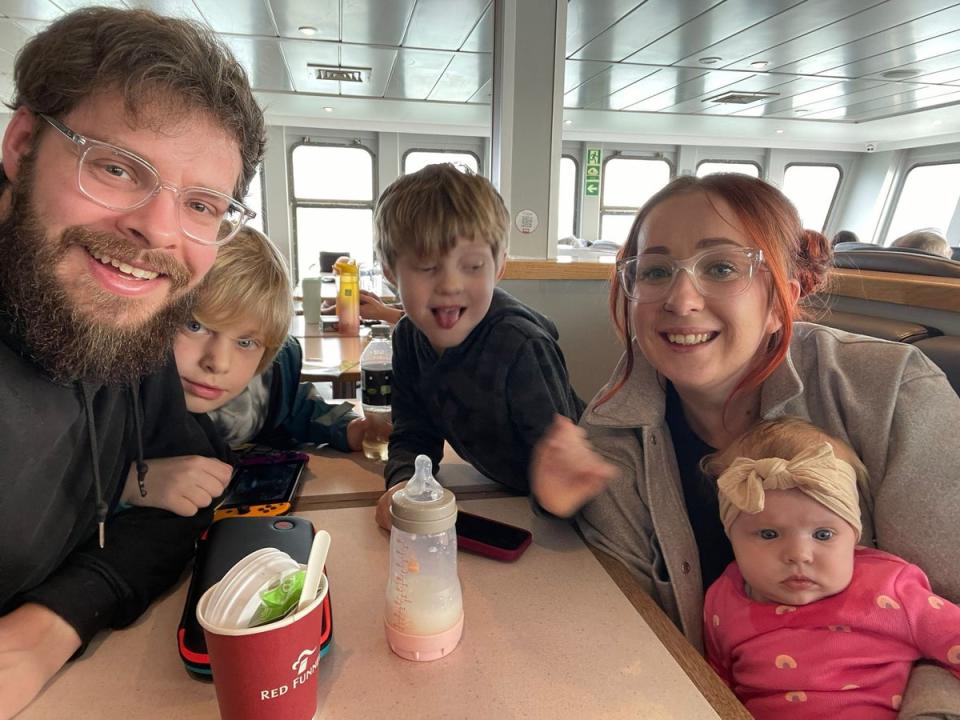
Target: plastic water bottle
424,608
376,378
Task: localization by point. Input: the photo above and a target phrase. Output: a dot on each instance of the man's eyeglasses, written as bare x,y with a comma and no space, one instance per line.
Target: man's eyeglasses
718,272
117,179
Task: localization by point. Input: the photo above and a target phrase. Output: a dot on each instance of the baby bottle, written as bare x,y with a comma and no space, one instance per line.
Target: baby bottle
424,611
348,296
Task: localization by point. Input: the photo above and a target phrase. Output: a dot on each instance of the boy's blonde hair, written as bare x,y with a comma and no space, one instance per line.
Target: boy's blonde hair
784,437
249,280
424,213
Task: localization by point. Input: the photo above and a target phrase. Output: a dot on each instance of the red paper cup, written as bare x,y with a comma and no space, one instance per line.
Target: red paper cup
267,672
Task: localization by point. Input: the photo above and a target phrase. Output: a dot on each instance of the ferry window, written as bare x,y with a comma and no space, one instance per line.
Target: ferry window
721,166
254,200
333,204
627,184
419,159
567,205
812,189
927,200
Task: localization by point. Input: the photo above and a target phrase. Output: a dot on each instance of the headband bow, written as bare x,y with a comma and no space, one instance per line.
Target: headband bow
816,472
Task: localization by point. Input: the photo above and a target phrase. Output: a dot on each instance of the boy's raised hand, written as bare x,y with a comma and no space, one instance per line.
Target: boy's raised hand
565,472
181,485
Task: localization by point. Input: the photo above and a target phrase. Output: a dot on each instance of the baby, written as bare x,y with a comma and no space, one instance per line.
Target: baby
806,623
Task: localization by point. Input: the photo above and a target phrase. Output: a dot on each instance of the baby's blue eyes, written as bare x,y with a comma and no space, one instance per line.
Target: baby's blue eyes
767,534
823,534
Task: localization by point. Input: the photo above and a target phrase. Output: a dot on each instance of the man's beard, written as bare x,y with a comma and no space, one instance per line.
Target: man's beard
69,342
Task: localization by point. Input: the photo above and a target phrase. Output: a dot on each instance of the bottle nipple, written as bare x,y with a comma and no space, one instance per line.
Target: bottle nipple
423,487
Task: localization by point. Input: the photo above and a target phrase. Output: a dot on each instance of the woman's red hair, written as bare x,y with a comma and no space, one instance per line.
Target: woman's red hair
771,222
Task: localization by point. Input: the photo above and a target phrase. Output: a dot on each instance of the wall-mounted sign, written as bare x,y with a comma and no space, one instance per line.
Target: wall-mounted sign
527,221
591,173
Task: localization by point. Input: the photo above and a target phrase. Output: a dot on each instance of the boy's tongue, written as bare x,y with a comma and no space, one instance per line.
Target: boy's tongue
447,317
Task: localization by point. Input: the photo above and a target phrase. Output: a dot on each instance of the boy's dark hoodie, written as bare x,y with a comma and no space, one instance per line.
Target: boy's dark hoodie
492,397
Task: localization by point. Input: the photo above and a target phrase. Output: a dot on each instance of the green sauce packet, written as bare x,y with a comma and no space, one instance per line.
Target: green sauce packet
279,600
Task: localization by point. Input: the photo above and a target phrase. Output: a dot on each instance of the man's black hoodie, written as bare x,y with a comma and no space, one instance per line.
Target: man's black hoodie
491,397
49,548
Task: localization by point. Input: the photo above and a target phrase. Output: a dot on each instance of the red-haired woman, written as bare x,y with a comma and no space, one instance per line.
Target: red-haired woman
706,297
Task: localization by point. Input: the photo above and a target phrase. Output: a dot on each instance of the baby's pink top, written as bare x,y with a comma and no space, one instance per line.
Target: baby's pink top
847,656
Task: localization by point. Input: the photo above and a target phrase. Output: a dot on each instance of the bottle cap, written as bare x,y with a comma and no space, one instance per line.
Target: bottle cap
380,331
423,507
346,266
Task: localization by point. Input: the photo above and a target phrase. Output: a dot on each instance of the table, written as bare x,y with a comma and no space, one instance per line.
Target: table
549,636
329,356
335,478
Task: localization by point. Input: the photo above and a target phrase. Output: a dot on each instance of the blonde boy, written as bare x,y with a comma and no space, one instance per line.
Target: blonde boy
237,365
472,365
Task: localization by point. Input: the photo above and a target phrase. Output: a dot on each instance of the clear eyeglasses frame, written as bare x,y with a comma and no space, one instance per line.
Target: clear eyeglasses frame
716,272
120,180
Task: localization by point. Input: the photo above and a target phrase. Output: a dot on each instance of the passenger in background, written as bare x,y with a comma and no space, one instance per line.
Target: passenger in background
705,296
237,365
789,504
929,241
471,365
844,236
373,307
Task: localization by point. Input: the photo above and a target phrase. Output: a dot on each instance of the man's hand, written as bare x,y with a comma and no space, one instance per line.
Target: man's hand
383,507
373,308
182,485
565,472
356,429
34,644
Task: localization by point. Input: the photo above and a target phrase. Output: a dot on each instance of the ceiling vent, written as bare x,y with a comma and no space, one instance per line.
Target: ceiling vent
741,98
340,73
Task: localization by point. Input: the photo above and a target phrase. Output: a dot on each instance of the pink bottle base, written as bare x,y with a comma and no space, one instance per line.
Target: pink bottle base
424,647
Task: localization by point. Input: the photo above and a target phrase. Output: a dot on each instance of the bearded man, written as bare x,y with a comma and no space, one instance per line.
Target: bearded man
133,138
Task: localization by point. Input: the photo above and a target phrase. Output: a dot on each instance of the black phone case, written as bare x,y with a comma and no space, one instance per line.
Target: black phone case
221,547
491,538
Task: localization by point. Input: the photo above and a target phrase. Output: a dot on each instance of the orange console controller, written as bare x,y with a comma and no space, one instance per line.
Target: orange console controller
268,510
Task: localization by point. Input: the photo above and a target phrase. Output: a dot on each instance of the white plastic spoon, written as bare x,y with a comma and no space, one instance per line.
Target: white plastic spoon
315,563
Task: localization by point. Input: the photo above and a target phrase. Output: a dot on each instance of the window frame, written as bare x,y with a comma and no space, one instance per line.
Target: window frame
577,194
439,151
884,237
836,190
296,203
625,210
729,161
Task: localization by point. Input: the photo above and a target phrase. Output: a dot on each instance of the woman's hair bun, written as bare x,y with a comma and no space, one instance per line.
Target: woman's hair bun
814,260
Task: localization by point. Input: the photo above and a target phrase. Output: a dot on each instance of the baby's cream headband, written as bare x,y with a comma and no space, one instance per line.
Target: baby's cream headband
816,472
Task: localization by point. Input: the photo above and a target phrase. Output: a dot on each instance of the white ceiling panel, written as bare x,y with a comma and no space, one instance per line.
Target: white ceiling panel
34,9
698,88
375,24
644,25
907,101
951,76
323,15
927,56
709,28
416,73
785,92
263,61
876,30
741,82
380,60
782,27
244,18
12,36
299,54
466,74
443,24
600,86
880,96
653,85
481,39
803,97
577,72
586,19
483,96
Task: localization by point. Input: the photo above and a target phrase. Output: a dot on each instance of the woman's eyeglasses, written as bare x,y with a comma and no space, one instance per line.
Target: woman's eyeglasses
717,272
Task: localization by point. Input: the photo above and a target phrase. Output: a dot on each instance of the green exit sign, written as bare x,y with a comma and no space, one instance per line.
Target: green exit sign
591,173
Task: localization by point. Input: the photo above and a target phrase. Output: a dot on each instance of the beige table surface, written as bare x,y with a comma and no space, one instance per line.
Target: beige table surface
550,636
349,478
